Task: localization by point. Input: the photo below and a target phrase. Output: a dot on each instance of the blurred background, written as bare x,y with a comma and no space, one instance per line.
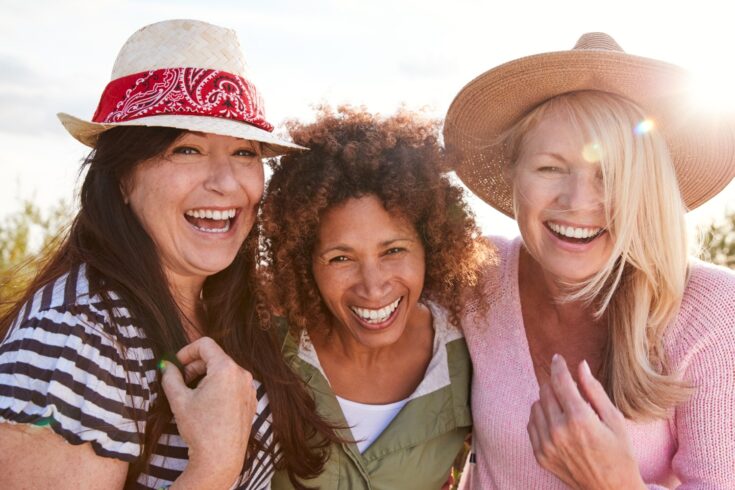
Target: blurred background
57,56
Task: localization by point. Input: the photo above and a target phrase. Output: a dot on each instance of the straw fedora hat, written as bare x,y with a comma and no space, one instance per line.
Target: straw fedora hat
183,74
702,145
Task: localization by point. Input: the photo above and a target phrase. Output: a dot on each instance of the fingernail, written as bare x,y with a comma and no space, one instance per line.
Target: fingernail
586,368
162,365
555,363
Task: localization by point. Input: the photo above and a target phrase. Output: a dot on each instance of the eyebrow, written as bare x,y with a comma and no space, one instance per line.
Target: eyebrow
346,248
256,144
553,155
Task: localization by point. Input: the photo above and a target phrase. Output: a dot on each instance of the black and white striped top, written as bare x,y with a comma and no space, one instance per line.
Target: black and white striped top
64,364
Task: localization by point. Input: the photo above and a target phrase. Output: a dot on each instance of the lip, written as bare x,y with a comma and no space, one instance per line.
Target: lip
572,247
382,325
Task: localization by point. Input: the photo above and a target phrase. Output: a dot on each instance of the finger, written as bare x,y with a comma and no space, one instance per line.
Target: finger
534,437
550,405
601,403
565,389
195,369
173,384
542,426
204,349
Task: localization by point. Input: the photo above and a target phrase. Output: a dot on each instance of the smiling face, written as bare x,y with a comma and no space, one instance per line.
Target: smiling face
559,200
368,264
197,202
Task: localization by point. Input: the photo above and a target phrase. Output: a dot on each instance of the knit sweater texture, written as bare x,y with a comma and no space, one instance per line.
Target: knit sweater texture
694,448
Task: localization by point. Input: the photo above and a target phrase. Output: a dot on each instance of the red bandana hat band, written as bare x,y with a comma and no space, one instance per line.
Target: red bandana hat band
183,92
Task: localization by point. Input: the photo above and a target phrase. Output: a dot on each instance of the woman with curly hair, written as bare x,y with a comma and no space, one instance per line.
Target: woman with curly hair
366,249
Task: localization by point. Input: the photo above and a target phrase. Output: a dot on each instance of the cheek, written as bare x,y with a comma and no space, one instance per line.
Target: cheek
252,179
330,284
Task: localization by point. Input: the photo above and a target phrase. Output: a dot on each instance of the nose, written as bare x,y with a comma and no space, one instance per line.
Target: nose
221,176
582,191
374,280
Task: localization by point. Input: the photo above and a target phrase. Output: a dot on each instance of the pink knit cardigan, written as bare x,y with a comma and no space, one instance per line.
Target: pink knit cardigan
693,449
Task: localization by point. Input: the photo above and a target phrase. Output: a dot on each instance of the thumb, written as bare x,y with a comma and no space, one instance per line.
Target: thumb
173,384
597,397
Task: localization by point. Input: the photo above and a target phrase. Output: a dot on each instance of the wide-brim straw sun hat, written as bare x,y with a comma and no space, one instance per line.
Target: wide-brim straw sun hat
184,74
702,145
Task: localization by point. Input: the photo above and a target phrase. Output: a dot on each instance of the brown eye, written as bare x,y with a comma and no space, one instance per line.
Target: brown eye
245,153
185,150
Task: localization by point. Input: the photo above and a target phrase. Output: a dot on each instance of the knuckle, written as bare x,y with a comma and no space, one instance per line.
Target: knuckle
557,434
578,425
207,341
547,449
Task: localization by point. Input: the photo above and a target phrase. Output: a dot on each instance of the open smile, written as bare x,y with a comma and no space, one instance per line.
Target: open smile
377,317
212,220
574,234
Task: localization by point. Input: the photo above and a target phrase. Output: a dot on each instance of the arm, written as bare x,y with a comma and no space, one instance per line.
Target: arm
214,419
36,457
705,424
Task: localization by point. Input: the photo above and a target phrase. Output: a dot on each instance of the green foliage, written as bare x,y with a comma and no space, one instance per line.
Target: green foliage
718,243
23,235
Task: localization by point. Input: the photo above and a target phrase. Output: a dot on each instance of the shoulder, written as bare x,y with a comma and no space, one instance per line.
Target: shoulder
444,330
497,288
709,283
499,268
705,323
65,364
709,296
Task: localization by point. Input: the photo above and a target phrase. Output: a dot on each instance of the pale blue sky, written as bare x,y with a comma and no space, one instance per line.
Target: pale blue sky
57,56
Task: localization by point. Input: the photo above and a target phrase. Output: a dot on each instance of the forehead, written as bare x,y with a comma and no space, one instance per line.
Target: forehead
363,220
555,132
216,139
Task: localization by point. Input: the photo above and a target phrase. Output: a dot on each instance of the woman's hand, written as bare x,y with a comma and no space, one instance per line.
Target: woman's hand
215,417
583,444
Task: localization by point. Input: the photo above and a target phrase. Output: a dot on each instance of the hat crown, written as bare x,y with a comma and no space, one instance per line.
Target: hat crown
180,44
597,40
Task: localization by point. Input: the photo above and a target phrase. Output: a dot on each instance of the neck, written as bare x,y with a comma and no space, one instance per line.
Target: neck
186,293
549,294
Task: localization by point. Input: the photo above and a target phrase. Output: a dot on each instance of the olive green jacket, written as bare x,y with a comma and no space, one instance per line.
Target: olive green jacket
418,447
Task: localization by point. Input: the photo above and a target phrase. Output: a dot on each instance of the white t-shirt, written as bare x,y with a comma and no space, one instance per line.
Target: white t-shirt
366,421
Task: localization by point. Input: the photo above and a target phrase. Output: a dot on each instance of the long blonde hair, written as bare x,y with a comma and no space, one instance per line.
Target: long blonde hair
639,289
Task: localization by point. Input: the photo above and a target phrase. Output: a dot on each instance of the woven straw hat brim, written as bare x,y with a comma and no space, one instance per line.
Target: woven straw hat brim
87,132
702,146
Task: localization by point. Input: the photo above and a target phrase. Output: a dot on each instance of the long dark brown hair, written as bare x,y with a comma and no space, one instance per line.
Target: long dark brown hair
121,258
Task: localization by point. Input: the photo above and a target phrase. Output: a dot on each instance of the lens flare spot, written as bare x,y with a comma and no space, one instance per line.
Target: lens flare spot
644,127
44,422
592,152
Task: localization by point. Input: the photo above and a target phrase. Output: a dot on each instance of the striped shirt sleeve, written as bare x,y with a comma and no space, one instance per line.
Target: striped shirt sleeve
63,369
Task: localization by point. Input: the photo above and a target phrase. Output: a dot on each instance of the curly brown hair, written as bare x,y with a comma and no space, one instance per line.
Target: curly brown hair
355,154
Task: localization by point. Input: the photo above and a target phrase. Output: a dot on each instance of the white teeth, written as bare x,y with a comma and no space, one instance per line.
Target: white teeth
573,232
376,316
212,214
224,229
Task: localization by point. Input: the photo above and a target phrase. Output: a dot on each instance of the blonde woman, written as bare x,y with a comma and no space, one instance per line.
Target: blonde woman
607,356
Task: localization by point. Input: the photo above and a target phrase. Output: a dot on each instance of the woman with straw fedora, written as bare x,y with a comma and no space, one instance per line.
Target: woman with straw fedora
607,355
157,270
